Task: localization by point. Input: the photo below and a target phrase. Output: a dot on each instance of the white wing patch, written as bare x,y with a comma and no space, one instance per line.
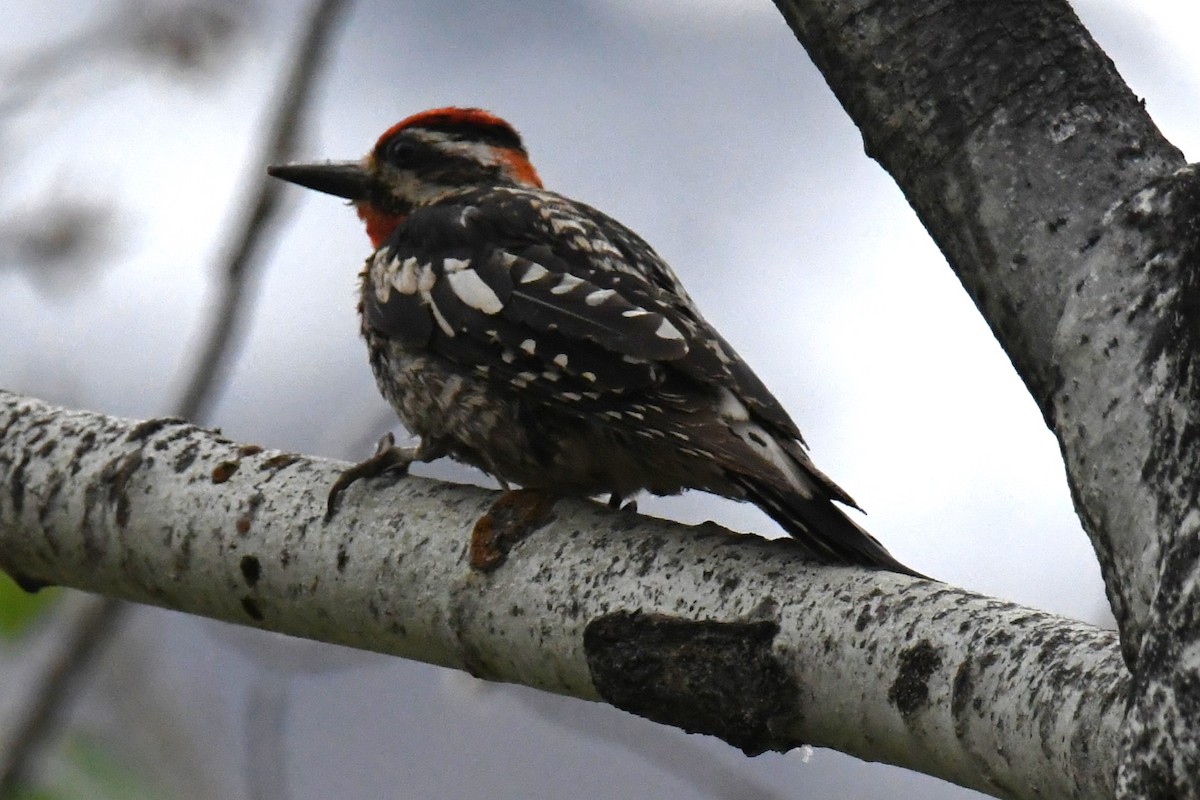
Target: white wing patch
406,281
565,284
383,276
764,445
732,409
668,331
470,288
599,296
535,273
437,315
425,278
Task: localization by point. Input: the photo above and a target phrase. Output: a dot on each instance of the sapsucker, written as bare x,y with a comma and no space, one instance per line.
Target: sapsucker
540,340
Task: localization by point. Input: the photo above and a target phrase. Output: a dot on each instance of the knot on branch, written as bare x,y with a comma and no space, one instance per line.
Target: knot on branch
719,678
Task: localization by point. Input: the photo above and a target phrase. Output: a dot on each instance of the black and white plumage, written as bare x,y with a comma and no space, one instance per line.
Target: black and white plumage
542,341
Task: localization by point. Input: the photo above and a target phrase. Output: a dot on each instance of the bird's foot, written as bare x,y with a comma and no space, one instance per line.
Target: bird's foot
514,516
387,458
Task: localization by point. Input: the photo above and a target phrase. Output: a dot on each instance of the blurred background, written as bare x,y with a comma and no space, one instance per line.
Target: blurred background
133,137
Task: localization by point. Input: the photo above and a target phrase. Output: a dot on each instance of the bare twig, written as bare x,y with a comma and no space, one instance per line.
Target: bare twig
230,306
96,623
185,38
90,629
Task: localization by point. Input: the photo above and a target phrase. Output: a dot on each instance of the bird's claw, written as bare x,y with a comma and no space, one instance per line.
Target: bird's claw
387,458
615,502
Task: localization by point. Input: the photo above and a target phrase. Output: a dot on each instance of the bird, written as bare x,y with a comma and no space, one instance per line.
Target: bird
538,339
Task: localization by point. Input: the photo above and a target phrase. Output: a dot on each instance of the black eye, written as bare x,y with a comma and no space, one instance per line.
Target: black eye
403,151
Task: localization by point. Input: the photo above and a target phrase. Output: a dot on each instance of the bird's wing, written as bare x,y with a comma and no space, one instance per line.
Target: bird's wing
711,359
537,280
512,310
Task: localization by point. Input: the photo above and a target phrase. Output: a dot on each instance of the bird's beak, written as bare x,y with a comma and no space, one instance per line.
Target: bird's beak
347,179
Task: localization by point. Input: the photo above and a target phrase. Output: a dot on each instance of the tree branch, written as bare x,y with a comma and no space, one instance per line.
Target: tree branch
90,628
256,215
1071,222
718,633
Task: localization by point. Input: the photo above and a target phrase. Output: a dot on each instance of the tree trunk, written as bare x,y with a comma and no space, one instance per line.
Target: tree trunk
1070,220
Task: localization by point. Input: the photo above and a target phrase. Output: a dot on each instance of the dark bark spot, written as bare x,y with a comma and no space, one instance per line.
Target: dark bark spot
186,457
115,478
224,471
54,486
516,515
280,461
864,619
343,558
144,430
999,639
247,518
182,559
251,570
248,450
16,483
250,606
85,446
964,689
719,678
910,691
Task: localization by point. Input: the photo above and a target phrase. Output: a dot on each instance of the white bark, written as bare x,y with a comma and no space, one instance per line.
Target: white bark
711,631
1071,221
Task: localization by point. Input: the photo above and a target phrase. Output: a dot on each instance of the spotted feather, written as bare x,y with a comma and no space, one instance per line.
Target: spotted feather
557,300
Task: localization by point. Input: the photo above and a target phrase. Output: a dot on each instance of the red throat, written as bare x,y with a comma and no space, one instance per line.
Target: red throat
380,225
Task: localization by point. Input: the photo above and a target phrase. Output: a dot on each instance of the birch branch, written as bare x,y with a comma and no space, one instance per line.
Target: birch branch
710,631
1071,221
1012,135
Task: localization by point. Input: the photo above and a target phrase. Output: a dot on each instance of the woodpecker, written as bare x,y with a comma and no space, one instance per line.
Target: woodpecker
542,341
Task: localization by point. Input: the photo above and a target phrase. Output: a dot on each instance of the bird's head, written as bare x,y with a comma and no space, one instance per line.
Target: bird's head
418,161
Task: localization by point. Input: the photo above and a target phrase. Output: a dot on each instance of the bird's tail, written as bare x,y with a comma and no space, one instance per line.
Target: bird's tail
775,473
822,526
